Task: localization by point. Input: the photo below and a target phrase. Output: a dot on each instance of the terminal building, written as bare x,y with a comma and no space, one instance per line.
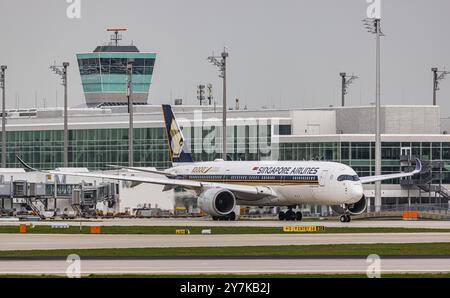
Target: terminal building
99,137
98,133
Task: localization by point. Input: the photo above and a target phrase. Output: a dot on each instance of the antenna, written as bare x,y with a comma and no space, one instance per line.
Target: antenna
438,76
346,82
201,93
210,93
116,36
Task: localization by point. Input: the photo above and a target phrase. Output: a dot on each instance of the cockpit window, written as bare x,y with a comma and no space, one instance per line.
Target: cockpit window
348,178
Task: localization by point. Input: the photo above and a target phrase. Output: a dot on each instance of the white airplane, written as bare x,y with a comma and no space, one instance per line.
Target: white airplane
222,185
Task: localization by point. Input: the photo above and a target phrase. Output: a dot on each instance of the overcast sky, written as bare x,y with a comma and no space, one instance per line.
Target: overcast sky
283,53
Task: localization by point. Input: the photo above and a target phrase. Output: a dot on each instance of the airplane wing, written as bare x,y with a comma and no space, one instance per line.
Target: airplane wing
370,179
255,191
144,170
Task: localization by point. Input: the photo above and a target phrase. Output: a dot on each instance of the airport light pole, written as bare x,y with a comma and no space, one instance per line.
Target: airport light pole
438,76
3,86
130,112
346,82
62,71
221,63
373,25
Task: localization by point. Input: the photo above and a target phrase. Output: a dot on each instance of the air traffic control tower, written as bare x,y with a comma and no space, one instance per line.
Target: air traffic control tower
104,73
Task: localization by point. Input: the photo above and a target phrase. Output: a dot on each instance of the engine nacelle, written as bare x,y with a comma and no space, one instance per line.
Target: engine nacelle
217,201
354,209
358,207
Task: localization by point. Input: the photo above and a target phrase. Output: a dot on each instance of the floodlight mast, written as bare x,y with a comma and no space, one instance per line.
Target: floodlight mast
62,72
221,63
3,86
373,25
438,76
130,112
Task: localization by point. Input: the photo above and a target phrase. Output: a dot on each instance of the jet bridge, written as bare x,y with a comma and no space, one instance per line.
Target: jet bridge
23,196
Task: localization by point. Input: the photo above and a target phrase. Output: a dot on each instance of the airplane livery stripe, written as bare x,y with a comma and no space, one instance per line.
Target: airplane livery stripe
251,179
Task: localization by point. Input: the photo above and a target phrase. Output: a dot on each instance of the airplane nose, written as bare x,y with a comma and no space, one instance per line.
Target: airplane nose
357,191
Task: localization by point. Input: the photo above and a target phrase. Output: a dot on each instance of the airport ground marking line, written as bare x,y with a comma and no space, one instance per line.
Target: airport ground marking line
433,271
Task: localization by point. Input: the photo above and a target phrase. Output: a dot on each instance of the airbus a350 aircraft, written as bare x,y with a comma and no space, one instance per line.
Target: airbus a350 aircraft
222,185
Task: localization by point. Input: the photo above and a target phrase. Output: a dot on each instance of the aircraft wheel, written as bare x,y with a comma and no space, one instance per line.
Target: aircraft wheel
215,218
345,218
298,216
281,215
290,215
232,216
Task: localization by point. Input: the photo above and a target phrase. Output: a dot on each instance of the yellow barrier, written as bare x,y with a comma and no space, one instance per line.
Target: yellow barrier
303,229
182,232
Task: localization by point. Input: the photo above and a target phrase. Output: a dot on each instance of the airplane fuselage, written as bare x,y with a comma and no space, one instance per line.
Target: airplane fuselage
292,182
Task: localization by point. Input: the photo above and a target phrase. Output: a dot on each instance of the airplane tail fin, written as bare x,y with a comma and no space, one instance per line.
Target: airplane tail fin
177,143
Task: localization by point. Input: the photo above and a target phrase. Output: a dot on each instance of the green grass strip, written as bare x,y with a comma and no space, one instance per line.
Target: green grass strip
401,249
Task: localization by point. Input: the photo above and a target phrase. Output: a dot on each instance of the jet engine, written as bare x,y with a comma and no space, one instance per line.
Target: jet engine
354,209
217,201
358,207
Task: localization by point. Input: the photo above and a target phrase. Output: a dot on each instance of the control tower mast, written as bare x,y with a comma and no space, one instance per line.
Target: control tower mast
116,36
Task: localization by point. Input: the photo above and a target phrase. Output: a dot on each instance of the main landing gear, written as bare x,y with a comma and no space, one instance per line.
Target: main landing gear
229,217
290,215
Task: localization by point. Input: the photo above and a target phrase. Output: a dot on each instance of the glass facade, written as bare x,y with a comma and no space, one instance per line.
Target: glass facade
246,142
107,72
96,148
361,155
92,148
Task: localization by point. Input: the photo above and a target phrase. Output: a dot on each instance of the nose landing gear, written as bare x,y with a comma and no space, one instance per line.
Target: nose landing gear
345,218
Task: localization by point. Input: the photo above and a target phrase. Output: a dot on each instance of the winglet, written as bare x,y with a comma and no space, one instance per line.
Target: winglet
25,165
418,166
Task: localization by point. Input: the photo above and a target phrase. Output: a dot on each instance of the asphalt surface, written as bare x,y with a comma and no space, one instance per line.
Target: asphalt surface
231,266
72,241
242,223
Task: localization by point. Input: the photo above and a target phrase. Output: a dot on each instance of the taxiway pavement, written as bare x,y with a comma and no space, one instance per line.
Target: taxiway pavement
84,241
231,266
